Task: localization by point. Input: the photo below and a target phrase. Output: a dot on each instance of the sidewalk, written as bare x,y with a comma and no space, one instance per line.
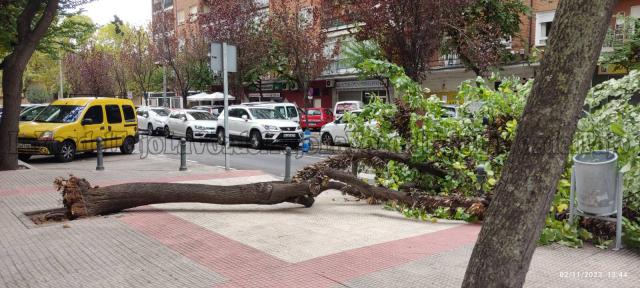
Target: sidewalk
339,242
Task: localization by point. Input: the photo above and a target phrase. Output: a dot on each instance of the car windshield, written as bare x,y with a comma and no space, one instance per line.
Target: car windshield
161,112
201,116
59,114
265,113
31,113
314,112
345,107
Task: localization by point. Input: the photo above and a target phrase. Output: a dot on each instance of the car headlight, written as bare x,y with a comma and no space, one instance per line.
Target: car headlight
198,127
270,127
46,135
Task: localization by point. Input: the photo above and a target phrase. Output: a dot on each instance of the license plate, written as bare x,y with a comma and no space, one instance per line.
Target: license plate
289,135
24,145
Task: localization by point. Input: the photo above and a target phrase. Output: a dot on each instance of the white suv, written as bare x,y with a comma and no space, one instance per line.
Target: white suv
260,125
152,119
288,110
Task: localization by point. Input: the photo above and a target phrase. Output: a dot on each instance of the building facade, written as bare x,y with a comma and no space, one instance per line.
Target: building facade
340,82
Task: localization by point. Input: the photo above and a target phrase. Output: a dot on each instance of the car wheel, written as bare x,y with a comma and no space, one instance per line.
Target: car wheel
67,151
256,139
221,136
128,146
189,134
150,130
24,157
327,139
167,133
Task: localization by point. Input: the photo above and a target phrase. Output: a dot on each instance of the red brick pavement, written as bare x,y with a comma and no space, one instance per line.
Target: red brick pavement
245,266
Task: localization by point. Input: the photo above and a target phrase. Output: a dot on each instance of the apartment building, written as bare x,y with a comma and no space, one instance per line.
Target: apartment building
340,83
446,75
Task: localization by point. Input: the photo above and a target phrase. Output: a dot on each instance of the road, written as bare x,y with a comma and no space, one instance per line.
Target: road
270,160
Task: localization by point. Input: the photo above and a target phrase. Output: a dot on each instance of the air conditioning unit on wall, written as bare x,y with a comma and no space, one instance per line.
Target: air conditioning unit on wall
330,83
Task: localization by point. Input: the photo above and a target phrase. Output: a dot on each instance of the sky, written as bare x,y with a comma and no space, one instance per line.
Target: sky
135,12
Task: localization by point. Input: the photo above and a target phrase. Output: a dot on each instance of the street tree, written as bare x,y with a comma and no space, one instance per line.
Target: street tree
184,52
243,24
412,33
27,27
137,55
297,31
89,72
528,182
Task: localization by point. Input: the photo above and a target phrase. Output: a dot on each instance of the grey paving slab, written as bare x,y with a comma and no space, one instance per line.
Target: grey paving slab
552,266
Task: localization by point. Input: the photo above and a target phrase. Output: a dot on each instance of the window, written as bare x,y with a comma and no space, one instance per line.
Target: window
60,114
201,116
291,111
113,114
174,115
168,3
180,17
306,16
94,114
193,13
368,96
129,115
266,113
544,20
635,11
281,110
242,112
234,113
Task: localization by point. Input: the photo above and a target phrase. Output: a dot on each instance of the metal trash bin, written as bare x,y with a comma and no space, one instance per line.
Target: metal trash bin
596,180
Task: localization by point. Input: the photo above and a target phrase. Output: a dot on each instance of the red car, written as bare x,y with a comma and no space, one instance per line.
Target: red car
317,118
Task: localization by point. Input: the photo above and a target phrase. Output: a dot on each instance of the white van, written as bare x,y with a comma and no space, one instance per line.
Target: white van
345,106
289,110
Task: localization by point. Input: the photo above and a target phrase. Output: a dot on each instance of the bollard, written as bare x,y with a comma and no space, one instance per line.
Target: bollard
354,168
100,165
287,165
183,155
481,176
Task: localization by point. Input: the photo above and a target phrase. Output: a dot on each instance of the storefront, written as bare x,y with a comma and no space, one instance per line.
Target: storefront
361,90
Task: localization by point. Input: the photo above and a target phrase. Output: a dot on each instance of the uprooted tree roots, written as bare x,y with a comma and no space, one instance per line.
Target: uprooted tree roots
80,199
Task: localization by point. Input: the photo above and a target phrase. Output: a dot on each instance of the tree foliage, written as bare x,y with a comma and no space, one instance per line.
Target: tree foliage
297,33
625,42
412,33
483,134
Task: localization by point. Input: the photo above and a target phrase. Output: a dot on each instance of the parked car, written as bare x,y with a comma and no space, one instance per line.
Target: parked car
288,110
346,106
450,111
152,119
72,125
191,124
337,132
261,126
317,117
30,113
215,110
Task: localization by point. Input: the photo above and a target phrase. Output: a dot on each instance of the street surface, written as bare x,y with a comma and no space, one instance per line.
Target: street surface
338,242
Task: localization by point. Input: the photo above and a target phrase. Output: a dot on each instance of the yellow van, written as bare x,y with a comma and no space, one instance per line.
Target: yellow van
69,126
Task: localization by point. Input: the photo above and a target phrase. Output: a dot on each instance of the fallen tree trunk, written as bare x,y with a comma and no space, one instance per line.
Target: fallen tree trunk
82,200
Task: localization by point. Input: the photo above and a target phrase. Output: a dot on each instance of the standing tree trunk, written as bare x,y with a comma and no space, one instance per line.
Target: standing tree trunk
32,25
508,238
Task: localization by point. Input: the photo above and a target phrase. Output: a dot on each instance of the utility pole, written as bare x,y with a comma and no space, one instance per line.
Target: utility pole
226,106
61,91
